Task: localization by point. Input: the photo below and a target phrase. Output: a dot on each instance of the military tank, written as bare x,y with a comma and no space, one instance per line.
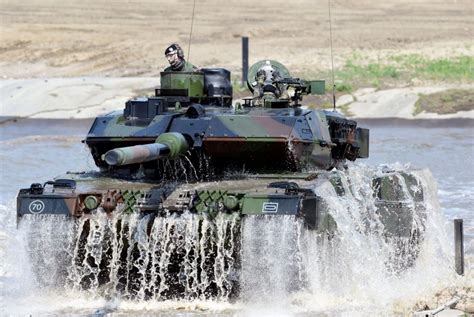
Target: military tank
181,170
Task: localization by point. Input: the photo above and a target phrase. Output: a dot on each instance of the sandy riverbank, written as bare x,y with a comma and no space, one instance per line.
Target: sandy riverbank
77,98
77,59
88,97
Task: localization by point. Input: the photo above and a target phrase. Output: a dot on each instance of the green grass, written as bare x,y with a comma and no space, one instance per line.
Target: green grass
402,69
460,68
448,101
369,71
343,87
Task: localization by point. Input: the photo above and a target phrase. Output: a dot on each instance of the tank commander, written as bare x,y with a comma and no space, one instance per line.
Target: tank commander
267,86
175,56
258,87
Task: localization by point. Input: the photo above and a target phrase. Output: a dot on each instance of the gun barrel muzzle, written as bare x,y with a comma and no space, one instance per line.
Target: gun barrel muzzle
170,144
136,154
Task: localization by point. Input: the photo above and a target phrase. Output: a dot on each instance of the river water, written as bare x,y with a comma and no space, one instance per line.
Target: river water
37,150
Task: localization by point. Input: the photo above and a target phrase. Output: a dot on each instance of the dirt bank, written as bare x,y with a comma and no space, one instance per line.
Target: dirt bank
76,51
78,97
87,97
396,103
53,38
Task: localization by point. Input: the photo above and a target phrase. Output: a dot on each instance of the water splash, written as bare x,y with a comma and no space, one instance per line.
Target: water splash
187,256
359,268
271,259
274,261
49,259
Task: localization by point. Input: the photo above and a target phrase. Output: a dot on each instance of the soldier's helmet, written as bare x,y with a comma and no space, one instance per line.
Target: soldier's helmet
175,48
260,73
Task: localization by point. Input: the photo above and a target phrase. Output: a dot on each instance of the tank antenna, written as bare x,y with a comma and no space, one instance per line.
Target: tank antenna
332,59
191,31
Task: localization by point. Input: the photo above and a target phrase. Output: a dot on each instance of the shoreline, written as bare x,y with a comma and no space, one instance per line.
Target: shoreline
89,97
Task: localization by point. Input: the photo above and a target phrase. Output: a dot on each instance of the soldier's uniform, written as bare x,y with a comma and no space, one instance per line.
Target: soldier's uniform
185,66
258,88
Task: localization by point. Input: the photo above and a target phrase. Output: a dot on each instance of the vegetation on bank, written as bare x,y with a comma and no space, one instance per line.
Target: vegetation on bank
409,70
402,70
444,102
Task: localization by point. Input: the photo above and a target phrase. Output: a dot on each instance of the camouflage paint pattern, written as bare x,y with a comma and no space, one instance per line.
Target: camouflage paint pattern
224,134
190,80
135,154
171,144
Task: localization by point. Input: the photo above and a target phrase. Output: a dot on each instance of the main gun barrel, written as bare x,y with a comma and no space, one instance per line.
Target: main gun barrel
171,144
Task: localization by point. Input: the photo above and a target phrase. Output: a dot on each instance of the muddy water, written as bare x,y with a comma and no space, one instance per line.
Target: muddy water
342,280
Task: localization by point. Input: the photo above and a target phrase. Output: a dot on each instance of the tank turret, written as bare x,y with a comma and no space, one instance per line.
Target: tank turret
196,105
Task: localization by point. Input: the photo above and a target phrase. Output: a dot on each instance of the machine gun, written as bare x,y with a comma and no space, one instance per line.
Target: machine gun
301,87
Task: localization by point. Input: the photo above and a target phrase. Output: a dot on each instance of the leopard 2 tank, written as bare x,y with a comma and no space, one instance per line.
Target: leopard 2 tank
180,171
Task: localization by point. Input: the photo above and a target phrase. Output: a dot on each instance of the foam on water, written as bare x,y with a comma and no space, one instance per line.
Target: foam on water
131,264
